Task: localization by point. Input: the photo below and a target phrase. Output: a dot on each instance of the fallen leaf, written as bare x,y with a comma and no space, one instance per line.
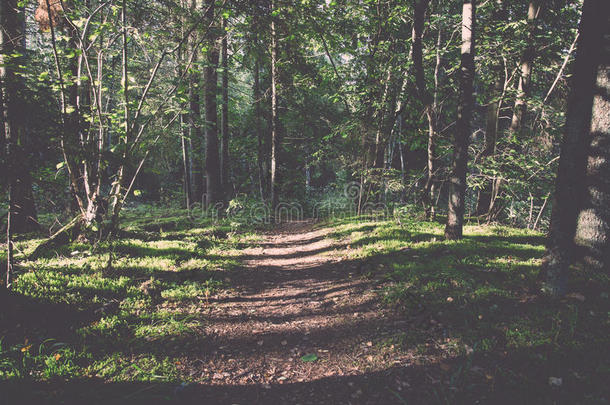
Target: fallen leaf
308,358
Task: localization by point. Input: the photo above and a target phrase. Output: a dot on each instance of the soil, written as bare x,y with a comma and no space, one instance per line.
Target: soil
300,300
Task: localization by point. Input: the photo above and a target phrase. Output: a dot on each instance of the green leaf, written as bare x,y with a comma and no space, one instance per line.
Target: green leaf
308,358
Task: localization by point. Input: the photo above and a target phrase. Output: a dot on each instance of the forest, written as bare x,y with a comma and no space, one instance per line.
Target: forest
305,201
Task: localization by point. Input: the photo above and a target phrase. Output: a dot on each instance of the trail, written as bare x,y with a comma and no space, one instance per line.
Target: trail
297,296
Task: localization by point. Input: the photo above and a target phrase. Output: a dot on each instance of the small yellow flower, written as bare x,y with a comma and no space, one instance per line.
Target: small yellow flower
26,348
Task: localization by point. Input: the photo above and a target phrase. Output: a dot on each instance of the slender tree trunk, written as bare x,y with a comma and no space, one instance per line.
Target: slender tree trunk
580,208
186,164
489,148
224,178
457,193
260,151
275,137
523,90
484,199
210,78
186,159
421,6
116,195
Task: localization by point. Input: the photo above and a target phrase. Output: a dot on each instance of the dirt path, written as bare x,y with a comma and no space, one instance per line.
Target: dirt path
297,297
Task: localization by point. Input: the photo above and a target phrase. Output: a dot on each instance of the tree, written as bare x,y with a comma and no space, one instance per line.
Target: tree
224,157
23,212
210,78
484,199
580,219
275,136
195,133
527,59
457,193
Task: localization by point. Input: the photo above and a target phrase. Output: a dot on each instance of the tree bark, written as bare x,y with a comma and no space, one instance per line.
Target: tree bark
260,151
224,178
593,224
491,119
457,193
210,78
523,90
580,208
195,132
275,138
186,157
430,107
23,213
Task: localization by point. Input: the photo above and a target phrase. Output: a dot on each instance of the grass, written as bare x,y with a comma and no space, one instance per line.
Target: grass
479,298
474,302
120,311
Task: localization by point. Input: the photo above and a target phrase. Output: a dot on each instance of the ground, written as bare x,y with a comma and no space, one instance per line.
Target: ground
348,311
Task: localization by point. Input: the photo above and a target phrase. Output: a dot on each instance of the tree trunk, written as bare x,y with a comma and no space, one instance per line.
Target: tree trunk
195,132
523,90
186,164
186,158
23,213
275,138
457,193
210,78
260,151
12,125
196,137
593,224
429,102
584,154
489,147
491,119
224,178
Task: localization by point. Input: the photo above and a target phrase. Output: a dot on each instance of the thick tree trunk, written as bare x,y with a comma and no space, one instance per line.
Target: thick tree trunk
580,208
195,132
275,137
457,193
9,80
224,178
23,212
593,224
210,78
